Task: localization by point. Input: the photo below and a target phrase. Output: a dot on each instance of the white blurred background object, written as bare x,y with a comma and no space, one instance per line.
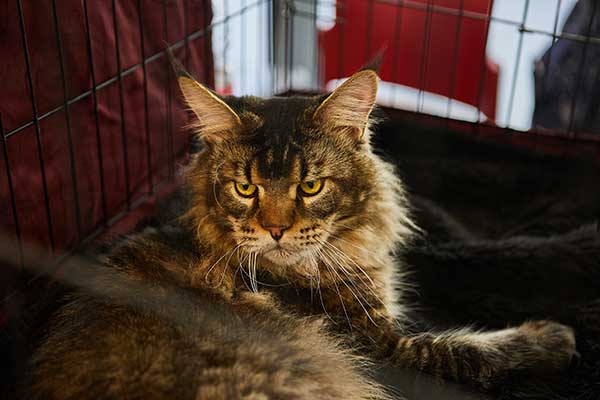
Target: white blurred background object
243,51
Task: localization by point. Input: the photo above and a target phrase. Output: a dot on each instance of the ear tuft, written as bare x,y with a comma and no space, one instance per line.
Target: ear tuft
349,106
216,120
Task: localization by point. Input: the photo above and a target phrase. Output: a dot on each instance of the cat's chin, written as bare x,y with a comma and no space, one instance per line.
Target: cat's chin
284,258
281,257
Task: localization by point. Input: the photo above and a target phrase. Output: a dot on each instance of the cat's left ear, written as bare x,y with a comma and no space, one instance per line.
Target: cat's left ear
347,109
216,121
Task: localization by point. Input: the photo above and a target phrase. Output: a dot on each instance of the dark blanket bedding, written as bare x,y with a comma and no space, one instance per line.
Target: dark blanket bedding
495,283
510,235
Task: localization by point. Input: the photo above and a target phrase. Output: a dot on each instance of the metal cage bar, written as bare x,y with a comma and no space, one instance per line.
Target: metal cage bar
121,106
513,85
571,131
11,191
453,70
482,74
551,49
430,7
442,10
94,94
72,160
425,57
130,70
342,43
68,101
145,89
168,98
369,32
36,124
397,39
242,50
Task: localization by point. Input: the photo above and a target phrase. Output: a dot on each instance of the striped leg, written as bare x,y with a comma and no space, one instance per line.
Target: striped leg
485,358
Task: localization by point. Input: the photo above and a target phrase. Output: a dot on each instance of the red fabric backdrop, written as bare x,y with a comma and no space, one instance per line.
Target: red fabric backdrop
433,49
182,18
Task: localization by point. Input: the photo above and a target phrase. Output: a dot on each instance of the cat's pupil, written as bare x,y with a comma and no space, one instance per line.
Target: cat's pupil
310,184
245,186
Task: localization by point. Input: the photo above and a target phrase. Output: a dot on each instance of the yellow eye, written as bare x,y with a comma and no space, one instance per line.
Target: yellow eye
311,188
245,189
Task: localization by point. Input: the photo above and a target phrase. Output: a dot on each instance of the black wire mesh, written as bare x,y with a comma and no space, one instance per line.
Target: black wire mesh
109,217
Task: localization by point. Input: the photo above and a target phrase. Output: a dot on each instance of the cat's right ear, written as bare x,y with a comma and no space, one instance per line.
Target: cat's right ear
348,108
216,121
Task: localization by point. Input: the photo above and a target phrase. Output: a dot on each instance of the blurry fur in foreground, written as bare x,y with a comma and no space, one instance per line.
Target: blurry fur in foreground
176,343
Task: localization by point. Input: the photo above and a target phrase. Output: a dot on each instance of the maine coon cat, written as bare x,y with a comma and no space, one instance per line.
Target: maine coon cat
286,281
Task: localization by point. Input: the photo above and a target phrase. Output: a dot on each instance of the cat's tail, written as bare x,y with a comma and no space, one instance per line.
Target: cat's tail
232,352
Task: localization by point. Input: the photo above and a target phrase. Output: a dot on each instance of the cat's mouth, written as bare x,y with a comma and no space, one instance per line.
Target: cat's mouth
284,253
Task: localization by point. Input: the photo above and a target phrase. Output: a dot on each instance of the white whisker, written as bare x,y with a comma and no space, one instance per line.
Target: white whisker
323,257
254,280
331,248
230,251
321,296
355,295
350,280
238,247
346,241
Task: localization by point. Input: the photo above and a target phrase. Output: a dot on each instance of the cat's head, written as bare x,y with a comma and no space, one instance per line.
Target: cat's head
292,180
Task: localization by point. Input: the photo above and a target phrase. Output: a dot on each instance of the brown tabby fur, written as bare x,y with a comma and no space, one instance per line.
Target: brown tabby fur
243,314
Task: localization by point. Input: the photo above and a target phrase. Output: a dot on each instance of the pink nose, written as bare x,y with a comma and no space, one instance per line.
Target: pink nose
276,231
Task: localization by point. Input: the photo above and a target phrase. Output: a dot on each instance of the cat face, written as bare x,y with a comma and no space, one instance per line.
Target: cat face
282,178
282,187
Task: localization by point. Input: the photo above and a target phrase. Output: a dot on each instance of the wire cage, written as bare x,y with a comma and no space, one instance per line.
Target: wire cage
90,118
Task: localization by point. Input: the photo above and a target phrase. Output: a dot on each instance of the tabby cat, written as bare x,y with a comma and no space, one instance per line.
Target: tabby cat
287,282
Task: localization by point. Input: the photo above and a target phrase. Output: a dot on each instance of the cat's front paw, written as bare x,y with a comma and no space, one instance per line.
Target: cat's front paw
551,346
